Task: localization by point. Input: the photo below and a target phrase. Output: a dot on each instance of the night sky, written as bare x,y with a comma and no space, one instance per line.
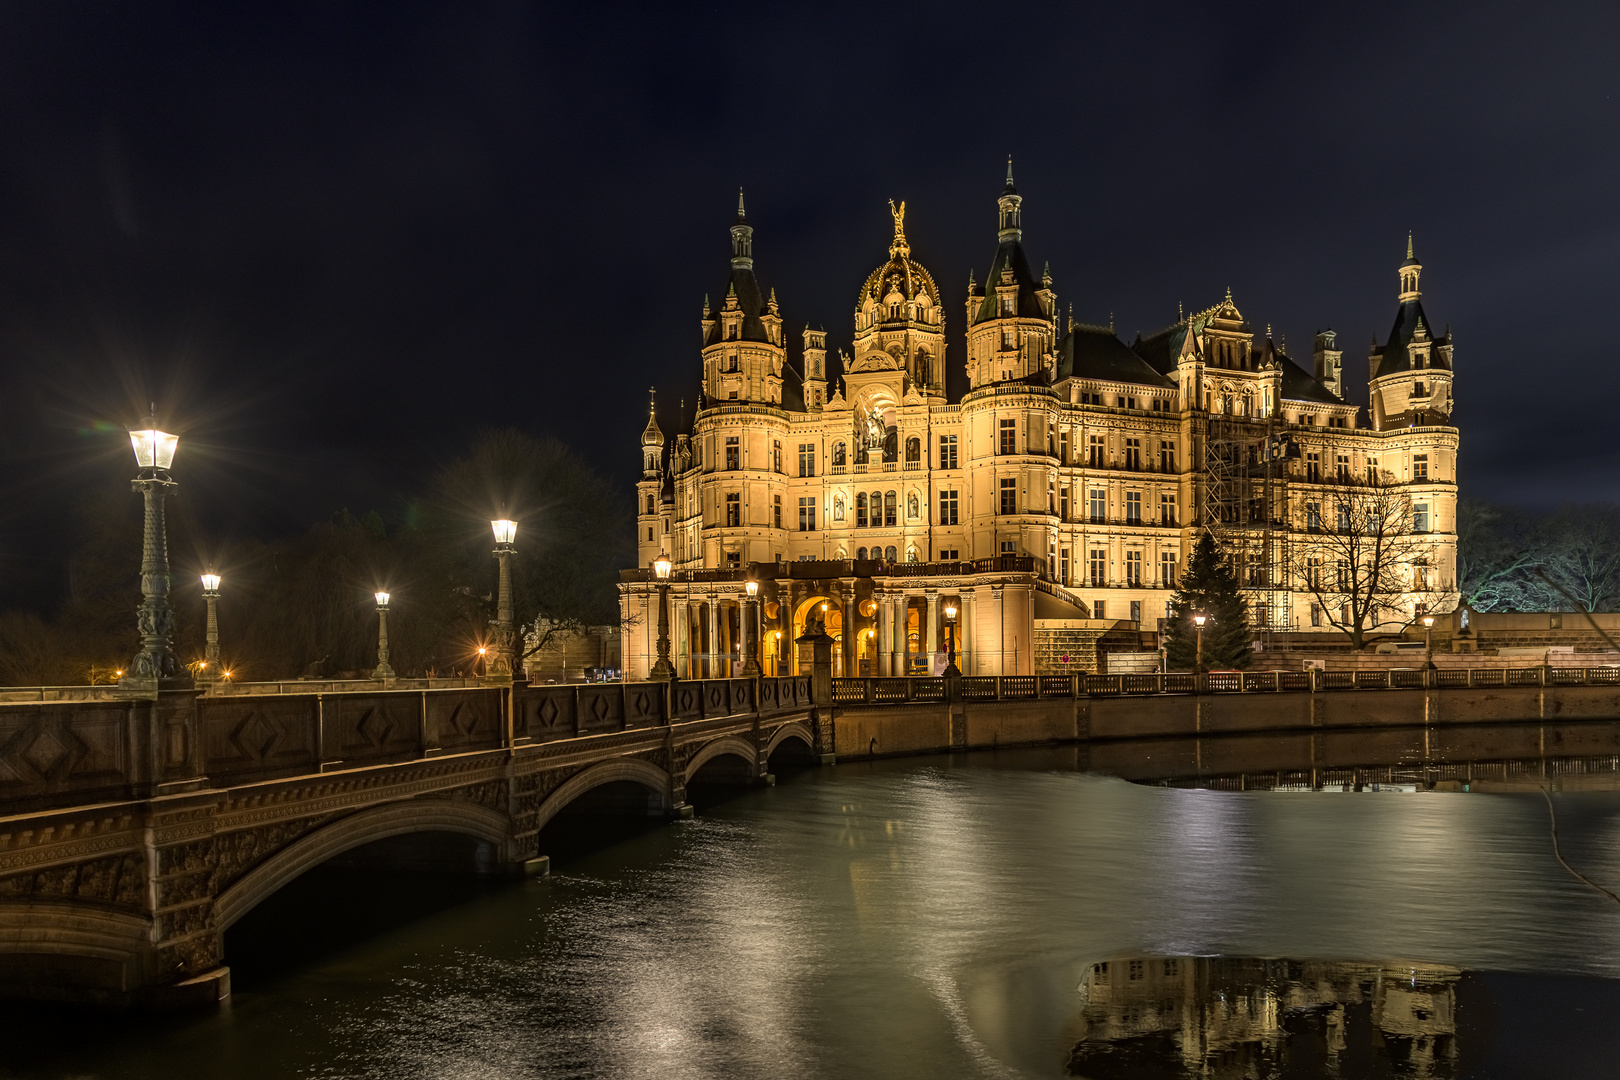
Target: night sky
333,240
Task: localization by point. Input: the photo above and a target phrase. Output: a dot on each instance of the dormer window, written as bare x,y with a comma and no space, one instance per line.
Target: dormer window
1008,303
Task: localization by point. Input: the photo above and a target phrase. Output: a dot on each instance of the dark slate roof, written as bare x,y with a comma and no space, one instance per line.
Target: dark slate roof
1395,355
1012,252
752,304
792,387
1162,348
1300,385
1089,352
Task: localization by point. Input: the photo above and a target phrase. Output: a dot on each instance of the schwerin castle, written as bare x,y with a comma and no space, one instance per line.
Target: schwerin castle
1054,506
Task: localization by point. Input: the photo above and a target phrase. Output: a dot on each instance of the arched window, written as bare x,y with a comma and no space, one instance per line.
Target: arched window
649,502
877,509
888,553
860,554
838,454
860,510
889,508
914,449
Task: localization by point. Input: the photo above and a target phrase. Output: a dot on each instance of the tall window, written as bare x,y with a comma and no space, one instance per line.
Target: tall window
1133,507
1372,470
733,452
1316,614
733,510
914,449
1167,569
1099,566
1095,456
1167,508
1344,519
888,508
1313,574
807,513
1009,436
1099,609
1313,467
947,451
1420,518
807,459
1063,566
1341,468
1420,466
776,455
1136,611
1313,516
838,459
776,511
1063,446
1063,503
1009,496
860,510
1420,575
649,502
1133,453
1099,506
1167,457
948,508
1133,568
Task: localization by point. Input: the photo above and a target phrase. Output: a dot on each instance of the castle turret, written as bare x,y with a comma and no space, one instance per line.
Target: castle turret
743,350
1410,376
815,369
651,513
1012,328
1329,362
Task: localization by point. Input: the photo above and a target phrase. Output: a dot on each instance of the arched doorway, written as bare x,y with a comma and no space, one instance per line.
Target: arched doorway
818,611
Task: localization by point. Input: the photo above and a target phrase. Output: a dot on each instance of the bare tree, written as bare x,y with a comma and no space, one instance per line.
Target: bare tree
1579,560
1367,560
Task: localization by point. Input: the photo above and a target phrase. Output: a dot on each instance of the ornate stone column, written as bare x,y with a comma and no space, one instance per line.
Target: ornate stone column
712,646
931,637
969,624
881,622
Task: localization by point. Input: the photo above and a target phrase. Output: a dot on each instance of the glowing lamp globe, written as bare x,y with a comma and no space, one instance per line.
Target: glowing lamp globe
752,588
662,566
950,611
505,531
1199,619
382,599
154,449
210,583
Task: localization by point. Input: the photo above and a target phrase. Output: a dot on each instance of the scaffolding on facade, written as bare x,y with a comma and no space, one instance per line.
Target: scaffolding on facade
1245,507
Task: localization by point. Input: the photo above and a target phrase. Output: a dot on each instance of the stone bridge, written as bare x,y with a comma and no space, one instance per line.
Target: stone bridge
136,831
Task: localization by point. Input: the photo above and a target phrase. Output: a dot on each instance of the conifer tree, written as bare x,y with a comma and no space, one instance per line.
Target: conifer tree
1209,587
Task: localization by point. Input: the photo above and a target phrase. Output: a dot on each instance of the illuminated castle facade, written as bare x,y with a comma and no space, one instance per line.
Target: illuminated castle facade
1053,505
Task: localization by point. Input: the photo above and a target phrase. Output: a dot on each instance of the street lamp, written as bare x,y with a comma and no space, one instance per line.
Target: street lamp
750,668
383,671
950,641
504,633
663,669
155,665
210,664
1428,641
1198,665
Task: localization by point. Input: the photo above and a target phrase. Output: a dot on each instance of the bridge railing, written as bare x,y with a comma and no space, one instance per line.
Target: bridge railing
886,690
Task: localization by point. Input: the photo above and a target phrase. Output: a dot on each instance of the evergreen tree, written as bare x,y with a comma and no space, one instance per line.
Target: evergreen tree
1210,588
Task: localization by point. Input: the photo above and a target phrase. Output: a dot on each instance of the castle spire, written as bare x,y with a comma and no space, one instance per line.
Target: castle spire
1010,203
1411,271
742,239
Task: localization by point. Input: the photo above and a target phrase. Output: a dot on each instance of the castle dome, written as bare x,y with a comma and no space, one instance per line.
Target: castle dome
900,280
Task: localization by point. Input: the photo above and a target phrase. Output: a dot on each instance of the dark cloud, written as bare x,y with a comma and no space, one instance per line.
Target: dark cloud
332,240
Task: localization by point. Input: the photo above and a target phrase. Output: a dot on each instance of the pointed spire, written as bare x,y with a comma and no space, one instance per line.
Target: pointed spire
1009,174
1046,274
1409,244
706,307
1229,294
1181,313
742,215
742,239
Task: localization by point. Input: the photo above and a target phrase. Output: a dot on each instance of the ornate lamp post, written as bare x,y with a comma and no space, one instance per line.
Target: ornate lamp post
501,664
1198,665
1428,642
155,665
383,671
211,668
750,668
663,669
950,641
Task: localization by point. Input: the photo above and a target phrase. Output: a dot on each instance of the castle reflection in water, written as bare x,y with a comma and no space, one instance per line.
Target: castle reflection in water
1235,1018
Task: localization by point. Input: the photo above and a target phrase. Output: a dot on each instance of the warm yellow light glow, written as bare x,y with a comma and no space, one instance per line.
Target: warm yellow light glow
1428,620
661,566
382,599
119,673
154,449
505,531
950,611
202,663
210,583
752,588
1199,619
823,607
481,650
225,674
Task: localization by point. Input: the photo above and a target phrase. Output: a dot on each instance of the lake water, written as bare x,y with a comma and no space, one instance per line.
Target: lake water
938,917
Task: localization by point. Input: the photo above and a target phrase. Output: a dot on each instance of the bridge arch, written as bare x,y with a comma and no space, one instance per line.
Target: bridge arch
730,744
642,772
376,823
791,730
92,950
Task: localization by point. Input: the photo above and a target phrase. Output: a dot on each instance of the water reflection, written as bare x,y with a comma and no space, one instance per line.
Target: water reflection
1150,1017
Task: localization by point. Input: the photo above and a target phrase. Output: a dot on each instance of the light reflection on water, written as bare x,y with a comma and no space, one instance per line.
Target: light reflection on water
933,917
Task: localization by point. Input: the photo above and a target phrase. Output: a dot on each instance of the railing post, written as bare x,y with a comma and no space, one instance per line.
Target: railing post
1313,682
868,690
998,687
1470,678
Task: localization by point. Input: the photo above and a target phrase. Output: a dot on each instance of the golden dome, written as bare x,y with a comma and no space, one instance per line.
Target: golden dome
898,275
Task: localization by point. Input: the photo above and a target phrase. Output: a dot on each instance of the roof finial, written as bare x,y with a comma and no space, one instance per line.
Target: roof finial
899,246
1009,171
741,214
1110,322
1409,243
1180,312
1229,294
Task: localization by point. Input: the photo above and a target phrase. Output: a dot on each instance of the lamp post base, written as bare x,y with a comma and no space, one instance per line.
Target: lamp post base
383,671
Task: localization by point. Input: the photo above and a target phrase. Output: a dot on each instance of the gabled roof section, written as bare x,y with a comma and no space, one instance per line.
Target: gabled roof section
1162,349
1408,317
1300,385
749,299
1011,254
1094,352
